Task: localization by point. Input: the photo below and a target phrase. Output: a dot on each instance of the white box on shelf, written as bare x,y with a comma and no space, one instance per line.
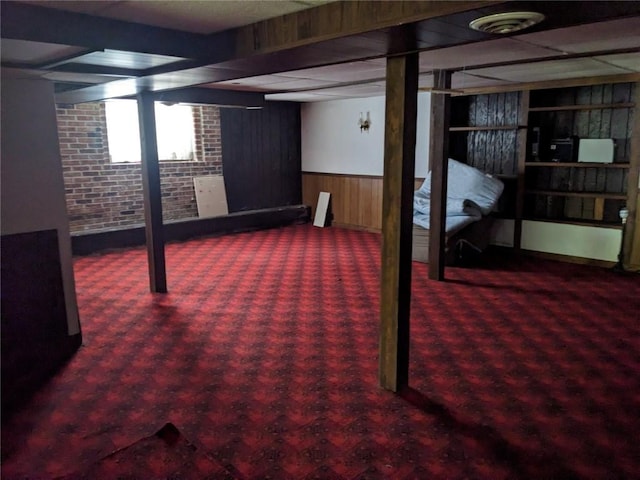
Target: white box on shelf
596,150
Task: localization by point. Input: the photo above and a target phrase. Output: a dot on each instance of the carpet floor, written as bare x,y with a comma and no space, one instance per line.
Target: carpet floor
264,355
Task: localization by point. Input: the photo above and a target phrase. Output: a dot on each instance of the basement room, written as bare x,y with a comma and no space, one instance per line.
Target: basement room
320,239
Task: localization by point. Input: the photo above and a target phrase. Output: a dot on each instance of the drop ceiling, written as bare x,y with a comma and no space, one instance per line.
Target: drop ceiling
603,48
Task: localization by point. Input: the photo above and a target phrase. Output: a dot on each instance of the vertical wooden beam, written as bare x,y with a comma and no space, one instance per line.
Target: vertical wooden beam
631,242
438,161
521,149
152,193
397,219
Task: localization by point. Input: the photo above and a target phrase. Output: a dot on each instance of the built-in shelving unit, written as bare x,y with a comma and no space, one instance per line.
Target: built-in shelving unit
495,133
576,192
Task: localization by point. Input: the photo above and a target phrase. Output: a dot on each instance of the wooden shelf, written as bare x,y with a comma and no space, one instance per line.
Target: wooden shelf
485,128
600,106
576,165
559,193
585,223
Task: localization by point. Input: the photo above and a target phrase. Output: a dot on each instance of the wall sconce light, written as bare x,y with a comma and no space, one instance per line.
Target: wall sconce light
363,123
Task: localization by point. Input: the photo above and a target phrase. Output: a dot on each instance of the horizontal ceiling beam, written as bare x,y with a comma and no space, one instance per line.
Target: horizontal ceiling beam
265,44
339,19
21,21
195,95
212,96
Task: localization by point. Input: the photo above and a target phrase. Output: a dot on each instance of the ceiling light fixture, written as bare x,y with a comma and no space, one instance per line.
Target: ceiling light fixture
506,22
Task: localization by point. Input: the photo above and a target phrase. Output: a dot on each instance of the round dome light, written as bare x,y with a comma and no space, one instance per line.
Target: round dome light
507,22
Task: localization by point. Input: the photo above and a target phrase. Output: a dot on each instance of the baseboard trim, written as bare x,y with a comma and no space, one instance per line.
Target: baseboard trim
361,228
86,243
570,259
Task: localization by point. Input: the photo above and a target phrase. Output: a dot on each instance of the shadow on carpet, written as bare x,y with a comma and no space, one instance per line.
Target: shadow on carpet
165,455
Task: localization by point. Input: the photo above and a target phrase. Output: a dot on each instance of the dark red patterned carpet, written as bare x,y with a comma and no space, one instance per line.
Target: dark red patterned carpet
264,356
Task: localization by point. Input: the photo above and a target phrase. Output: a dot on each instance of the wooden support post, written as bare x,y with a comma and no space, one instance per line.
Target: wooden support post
152,193
631,240
438,161
397,219
523,121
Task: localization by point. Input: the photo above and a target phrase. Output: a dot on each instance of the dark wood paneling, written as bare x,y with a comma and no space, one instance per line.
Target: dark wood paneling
35,339
261,156
492,150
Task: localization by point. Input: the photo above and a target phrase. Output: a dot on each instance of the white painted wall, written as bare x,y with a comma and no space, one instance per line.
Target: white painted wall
32,194
332,141
574,240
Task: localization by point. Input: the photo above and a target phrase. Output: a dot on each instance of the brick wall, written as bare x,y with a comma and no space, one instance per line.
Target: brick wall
105,195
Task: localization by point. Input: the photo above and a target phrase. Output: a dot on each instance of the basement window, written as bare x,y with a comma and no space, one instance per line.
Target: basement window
174,130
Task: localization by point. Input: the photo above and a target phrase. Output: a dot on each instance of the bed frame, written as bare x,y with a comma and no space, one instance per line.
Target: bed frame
460,247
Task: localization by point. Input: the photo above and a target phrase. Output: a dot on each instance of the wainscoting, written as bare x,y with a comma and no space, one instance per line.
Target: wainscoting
356,200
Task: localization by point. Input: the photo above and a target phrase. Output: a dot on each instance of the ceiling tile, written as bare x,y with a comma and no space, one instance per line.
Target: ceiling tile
595,37
259,81
630,61
120,59
299,84
550,70
364,90
493,51
462,80
77,6
196,16
344,72
300,97
24,51
375,89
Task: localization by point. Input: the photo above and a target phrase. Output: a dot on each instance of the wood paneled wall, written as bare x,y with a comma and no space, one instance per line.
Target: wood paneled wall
356,200
261,156
35,337
493,150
